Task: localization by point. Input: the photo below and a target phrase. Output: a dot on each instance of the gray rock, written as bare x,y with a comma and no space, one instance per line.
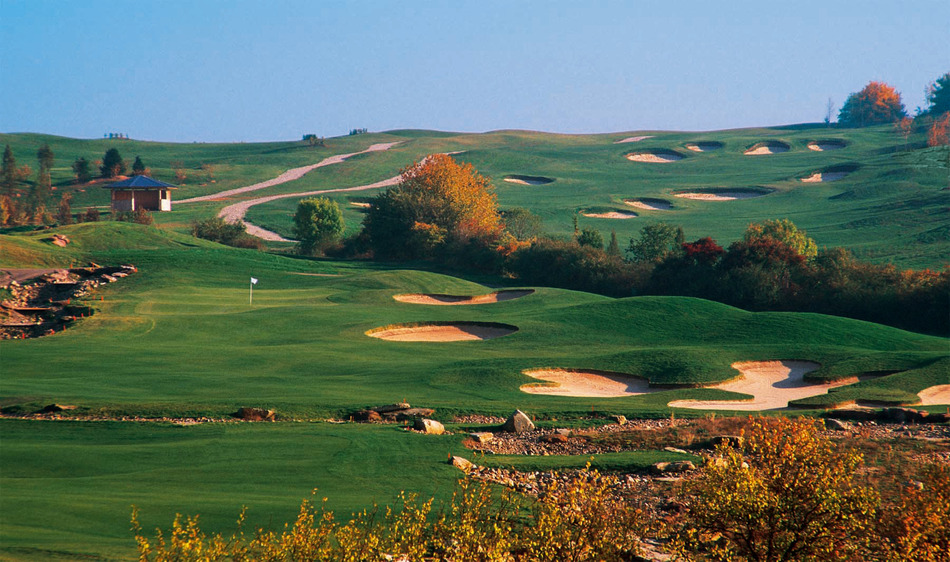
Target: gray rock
403,415
430,427
482,436
392,407
518,422
675,450
837,425
672,467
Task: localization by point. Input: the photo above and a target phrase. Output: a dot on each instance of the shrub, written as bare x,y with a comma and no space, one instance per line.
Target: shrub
233,234
318,223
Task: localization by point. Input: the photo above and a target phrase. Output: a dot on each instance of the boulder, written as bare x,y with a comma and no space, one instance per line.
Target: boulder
727,440
392,407
553,438
620,420
367,416
254,414
518,422
460,463
411,413
672,467
675,450
52,408
430,427
482,436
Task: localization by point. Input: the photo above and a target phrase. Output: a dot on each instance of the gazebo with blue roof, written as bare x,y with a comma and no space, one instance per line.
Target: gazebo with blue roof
141,192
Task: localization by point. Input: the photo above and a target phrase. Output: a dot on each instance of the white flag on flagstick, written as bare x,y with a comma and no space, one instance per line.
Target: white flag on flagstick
253,281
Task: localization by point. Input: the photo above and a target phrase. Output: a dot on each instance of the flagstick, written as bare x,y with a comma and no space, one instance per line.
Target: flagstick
251,299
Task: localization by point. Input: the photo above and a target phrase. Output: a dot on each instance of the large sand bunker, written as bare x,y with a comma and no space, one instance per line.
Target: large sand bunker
935,395
586,383
649,203
442,331
528,180
833,173
770,147
609,214
438,299
823,145
655,156
773,384
634,139
705,146
722,194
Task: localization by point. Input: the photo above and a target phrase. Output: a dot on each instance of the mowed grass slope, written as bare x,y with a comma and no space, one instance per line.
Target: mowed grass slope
180,338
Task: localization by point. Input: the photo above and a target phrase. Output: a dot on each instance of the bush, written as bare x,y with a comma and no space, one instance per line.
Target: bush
233,234
876,104
318,224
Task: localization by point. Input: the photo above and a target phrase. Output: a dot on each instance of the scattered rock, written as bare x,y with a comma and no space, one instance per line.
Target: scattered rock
518,422
254,414
564,432
460,463
900,415
409,414
837,425
427,426
854,414
392,408
675,450
553,438
672,467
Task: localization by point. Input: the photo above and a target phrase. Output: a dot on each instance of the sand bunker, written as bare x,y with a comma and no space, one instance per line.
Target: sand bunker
704,146
935,395
438,299
649,204
772,383
634,139
443,331
833,173
528,180
722,194
361,205
610,214
771,147
655,156
586,383
823,145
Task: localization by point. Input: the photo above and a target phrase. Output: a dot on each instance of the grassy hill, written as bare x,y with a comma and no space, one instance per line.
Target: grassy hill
890,207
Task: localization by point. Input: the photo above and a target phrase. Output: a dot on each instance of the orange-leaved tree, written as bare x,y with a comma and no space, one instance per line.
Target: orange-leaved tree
439,203
875,104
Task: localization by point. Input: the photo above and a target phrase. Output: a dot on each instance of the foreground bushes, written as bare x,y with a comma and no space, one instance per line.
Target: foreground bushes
783,491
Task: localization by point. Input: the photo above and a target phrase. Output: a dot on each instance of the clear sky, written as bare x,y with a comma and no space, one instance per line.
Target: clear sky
242,70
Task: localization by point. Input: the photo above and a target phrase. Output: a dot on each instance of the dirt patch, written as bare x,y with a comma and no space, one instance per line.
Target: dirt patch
773,384
443,331
655,156
586,383
649,204
634,139
704,146
935,395
610,215
822,145
528,180
724,194
450,300
770,147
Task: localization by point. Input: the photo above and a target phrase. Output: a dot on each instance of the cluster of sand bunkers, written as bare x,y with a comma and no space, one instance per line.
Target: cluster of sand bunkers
772,384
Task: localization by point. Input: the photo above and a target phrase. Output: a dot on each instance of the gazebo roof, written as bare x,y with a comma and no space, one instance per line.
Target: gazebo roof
140,182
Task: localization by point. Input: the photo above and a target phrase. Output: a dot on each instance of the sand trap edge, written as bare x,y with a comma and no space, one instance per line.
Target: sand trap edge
440,299
723,193
649,203
767,147
480,331
655,156
585,388
527,180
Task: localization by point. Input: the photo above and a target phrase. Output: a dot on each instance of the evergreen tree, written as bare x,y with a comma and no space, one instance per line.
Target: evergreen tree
82,170
613,249
592,238
112,164
64,214
45,156
318,223
138,168
938,96
8,171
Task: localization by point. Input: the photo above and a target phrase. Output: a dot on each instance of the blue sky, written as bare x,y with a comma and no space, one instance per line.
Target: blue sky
237,70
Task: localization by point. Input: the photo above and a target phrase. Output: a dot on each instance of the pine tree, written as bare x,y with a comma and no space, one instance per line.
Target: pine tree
45,156
138,168
82,170
112,164
8,171
613,249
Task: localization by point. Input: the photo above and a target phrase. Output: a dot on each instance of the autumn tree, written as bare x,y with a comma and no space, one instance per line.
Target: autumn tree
876,104
318,223
112,164
784,231
64,215
439,204
785,493
82,170
938,134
